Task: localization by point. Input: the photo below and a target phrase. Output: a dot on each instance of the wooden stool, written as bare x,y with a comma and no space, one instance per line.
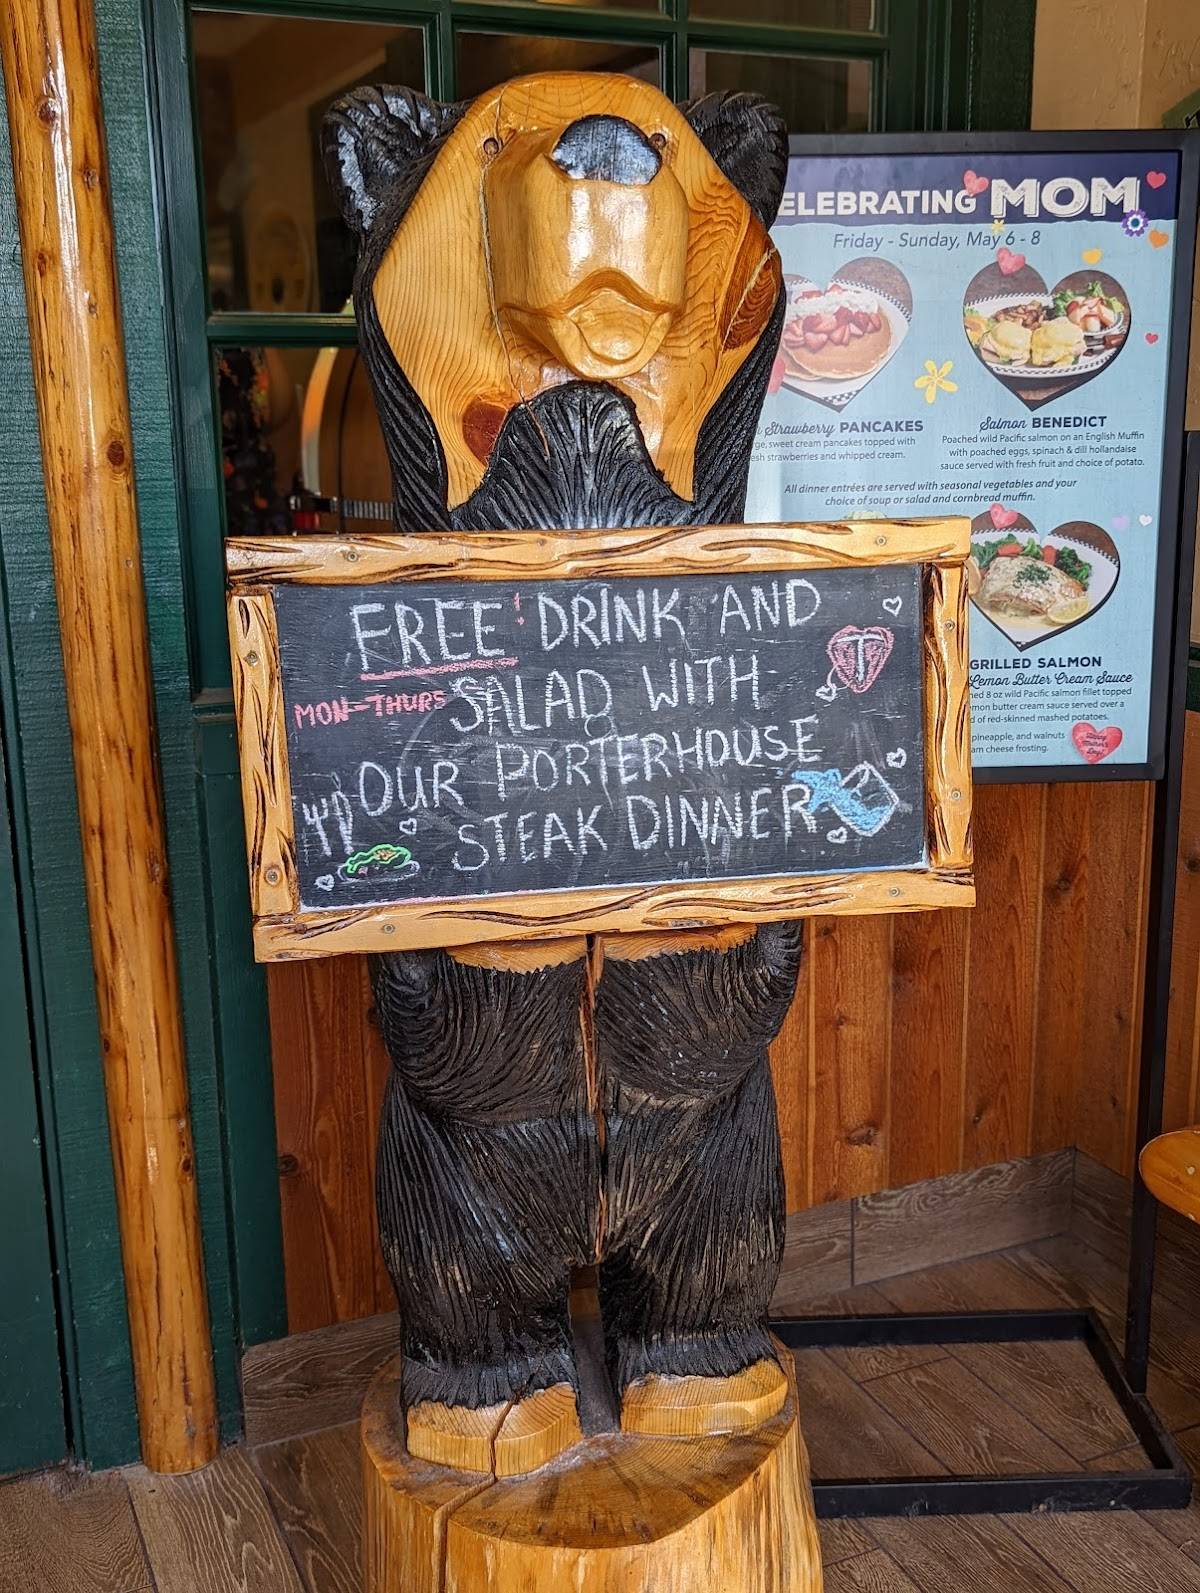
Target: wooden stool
1170,1169
619,1512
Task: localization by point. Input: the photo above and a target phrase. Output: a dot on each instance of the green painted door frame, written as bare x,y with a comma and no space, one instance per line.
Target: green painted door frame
32,1420
931,55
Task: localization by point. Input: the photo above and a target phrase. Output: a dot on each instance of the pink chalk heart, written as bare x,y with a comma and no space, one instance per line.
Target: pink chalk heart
858,653
1009,262
973,183
1156,178
1001,517
1151,337
1119,522
1094,745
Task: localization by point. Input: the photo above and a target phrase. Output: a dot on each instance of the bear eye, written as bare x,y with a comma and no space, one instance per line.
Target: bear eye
491,147
659,140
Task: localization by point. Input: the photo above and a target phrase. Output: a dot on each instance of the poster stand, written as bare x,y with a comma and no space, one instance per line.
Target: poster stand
1166,1484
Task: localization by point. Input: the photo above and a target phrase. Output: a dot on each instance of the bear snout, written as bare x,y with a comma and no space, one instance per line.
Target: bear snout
607,149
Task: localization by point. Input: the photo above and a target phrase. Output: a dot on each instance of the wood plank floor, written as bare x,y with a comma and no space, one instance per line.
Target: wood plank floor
284,1517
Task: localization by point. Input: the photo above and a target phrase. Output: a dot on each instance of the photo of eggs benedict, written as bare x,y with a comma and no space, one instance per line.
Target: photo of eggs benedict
1031,336
1057,342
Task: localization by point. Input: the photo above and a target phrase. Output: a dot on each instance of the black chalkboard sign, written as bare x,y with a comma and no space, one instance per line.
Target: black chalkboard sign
448,738
480,738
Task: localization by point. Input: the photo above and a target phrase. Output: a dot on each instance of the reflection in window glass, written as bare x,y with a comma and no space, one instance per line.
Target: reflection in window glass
485,59
816,94
301,447
263,83
858,15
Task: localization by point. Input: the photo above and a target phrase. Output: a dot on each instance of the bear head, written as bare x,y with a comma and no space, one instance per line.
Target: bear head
568,301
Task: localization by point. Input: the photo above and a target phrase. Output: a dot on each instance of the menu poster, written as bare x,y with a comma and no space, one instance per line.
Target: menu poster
1002,334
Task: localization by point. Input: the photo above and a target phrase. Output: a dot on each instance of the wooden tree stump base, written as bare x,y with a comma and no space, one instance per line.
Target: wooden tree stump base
617,1513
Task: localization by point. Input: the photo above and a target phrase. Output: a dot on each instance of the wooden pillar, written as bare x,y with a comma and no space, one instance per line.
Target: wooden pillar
61,185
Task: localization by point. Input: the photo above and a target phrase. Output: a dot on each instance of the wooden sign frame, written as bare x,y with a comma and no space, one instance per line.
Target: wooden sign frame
283,930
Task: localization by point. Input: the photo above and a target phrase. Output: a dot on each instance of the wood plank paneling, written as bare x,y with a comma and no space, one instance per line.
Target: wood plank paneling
928,1040
1111,989
1003,941
376,1067
1007,1203
326,1143
851,1030
1060,1018
313,1380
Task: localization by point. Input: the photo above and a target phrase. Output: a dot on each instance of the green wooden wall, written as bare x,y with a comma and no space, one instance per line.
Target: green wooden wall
45,832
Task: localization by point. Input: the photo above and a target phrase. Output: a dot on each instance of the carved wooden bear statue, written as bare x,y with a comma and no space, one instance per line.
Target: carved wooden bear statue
569,305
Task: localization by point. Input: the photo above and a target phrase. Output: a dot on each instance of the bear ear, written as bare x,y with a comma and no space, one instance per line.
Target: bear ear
747,137
372,139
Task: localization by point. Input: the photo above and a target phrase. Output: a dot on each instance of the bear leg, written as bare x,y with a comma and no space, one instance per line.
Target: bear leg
694,1209
488,1174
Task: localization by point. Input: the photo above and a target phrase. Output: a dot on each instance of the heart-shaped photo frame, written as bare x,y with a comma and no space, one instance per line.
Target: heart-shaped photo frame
837,338
1032,586
1042,342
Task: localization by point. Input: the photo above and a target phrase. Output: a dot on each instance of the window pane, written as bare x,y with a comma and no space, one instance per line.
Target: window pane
299,423
263,83
603,5
857,14
485,59
815,94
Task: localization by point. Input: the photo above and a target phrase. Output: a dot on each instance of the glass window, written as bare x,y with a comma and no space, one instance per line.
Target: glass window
858,15
263,83
816,94
602,5
301,447
485,59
